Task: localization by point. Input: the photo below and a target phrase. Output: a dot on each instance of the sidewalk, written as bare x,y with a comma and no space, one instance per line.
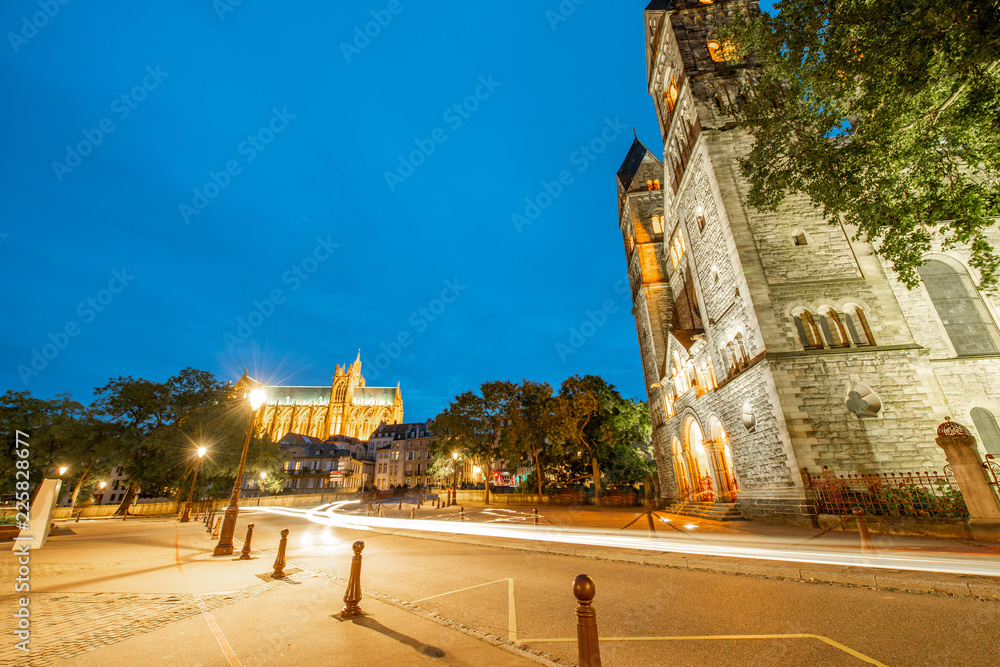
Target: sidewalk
148,592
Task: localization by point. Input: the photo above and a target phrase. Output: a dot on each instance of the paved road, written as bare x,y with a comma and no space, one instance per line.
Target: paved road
647,615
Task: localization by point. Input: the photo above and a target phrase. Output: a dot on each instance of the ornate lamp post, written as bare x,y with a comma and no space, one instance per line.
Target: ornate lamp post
187,507
454,486
260,488
225,545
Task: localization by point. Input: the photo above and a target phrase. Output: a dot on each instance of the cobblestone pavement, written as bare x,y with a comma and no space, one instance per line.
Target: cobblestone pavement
67,624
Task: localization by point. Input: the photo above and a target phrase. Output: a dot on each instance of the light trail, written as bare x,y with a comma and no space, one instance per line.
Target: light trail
702,546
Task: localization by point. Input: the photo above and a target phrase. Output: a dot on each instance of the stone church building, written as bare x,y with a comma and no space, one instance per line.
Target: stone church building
347,407
773,342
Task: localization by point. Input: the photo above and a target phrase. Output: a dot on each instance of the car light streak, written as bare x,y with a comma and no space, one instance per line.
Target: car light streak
705,545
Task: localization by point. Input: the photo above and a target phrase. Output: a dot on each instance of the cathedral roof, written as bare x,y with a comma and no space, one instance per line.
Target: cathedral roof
659,5
374,396
298,395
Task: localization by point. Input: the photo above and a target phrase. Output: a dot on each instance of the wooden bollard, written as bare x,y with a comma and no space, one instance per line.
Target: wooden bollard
245,554
866,538
400,503
536,516
413,511
279,560
208,520
586,622
461,514
215,531
353,595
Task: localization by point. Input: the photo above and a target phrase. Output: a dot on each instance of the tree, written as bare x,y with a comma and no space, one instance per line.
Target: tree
158,424
52,425
537,427
608,427
476,423
886,113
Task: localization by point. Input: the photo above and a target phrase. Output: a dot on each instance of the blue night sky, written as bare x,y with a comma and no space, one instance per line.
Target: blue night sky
172,167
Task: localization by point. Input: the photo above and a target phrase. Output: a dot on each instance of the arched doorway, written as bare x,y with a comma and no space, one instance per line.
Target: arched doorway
699,466
681,473
722,455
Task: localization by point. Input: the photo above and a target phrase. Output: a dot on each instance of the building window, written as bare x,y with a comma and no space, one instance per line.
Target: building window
857,326
962,312
809,333
657,224
799,238
989,432
677,249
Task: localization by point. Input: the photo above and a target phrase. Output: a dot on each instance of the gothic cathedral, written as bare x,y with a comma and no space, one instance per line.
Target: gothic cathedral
775,344
347,407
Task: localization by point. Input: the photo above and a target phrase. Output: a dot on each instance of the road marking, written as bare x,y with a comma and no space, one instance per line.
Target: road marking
511,606
227,650
825,640
511,611
460,590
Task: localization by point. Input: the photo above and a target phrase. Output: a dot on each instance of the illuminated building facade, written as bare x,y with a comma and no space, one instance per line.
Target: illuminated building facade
348,407
777,342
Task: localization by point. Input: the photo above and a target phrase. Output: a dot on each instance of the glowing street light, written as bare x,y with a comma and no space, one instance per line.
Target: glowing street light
62,470
225,545
454,486
187,507
260,488
101,496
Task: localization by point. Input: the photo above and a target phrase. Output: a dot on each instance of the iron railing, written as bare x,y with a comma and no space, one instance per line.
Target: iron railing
918,494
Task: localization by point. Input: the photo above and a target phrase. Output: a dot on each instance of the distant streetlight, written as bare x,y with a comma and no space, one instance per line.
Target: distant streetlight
225,545
263,476
62,470
101,496
187,507
454,486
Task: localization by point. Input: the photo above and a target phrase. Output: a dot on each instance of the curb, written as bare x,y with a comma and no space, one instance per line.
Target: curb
983,588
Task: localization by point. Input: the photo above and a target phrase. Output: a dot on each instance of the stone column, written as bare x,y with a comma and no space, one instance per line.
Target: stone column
960,448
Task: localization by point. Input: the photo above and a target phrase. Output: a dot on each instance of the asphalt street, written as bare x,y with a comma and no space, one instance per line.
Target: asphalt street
646,615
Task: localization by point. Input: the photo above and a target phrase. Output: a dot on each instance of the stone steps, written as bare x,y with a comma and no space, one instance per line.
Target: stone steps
711,511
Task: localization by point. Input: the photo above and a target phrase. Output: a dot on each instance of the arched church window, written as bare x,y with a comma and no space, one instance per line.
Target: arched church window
989,432
833,329
809,334
963,314
857,326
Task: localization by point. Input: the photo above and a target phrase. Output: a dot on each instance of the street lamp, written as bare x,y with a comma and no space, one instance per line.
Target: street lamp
263,476
187,507
101,497
454,486
225,545
62,470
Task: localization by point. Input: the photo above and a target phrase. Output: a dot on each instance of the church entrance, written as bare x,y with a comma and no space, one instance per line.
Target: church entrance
700,472
722,455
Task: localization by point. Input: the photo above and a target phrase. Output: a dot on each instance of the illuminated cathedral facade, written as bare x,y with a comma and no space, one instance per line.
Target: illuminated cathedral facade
346,407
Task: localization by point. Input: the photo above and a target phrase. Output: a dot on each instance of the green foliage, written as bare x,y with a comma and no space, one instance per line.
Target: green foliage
52,426
886,113
474,423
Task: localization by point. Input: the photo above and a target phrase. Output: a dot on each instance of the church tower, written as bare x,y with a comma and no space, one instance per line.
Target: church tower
774,344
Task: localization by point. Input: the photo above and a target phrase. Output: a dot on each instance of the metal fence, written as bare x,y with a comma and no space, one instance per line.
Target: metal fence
917,494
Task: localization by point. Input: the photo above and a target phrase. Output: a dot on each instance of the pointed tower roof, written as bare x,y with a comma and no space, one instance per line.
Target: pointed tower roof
633,160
